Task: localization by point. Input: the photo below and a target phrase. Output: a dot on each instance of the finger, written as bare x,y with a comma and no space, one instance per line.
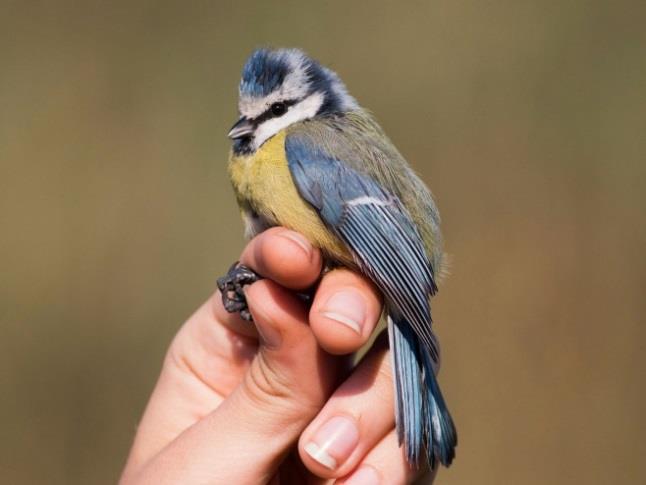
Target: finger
385,463
345,311
284,256
213,349
286,384
278,254
355,418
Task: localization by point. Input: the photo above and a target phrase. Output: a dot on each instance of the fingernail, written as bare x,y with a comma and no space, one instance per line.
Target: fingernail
366,475
348,308
298,239
333,442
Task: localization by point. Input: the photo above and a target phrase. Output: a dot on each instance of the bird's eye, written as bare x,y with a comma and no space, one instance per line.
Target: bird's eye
278,109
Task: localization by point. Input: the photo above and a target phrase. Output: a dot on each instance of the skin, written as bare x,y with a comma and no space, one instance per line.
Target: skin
237,405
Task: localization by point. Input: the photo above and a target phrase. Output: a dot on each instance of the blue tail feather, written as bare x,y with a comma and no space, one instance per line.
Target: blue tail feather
440,430
408,390
422,416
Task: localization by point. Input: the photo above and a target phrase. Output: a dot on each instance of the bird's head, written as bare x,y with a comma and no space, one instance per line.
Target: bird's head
281,87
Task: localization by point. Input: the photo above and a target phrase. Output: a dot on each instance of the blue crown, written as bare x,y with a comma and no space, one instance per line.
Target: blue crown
264,72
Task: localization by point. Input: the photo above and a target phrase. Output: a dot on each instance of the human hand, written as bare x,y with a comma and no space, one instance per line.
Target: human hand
247,404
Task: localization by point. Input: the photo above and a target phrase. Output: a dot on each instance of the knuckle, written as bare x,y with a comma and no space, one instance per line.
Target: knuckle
265,380
271,390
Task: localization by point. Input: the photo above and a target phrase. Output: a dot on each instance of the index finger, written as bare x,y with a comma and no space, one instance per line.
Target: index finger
285,257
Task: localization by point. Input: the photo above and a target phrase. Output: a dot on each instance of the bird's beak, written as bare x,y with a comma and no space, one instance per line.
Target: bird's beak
243,127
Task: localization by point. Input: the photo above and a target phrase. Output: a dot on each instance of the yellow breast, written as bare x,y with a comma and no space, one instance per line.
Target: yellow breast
264,185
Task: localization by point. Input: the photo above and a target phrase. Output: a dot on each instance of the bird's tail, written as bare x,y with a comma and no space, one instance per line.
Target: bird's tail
423,419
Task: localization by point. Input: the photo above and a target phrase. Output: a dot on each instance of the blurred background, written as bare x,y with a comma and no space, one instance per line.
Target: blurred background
526,118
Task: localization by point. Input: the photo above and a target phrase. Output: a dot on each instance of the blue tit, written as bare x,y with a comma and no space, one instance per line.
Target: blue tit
307,157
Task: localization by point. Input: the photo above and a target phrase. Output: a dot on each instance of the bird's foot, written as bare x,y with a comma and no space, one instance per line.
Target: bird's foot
231,286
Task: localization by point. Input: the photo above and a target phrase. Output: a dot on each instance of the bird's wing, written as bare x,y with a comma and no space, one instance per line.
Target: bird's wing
376,227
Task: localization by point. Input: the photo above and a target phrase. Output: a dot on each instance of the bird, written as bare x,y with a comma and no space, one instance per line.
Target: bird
306,156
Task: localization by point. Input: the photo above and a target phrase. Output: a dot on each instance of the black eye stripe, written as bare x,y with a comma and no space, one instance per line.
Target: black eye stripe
268,114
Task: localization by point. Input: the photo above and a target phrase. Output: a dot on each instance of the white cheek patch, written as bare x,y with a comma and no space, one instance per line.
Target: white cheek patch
301,111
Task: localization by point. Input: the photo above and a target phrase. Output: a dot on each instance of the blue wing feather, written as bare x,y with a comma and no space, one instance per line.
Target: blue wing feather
376,227
388,248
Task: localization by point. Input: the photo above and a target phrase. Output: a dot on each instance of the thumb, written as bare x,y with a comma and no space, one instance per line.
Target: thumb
291,374
288,381
247,436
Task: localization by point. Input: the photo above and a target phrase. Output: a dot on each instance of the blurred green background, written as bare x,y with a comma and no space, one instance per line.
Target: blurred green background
526,118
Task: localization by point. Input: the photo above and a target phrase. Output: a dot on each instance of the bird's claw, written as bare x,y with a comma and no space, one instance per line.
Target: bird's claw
231,286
